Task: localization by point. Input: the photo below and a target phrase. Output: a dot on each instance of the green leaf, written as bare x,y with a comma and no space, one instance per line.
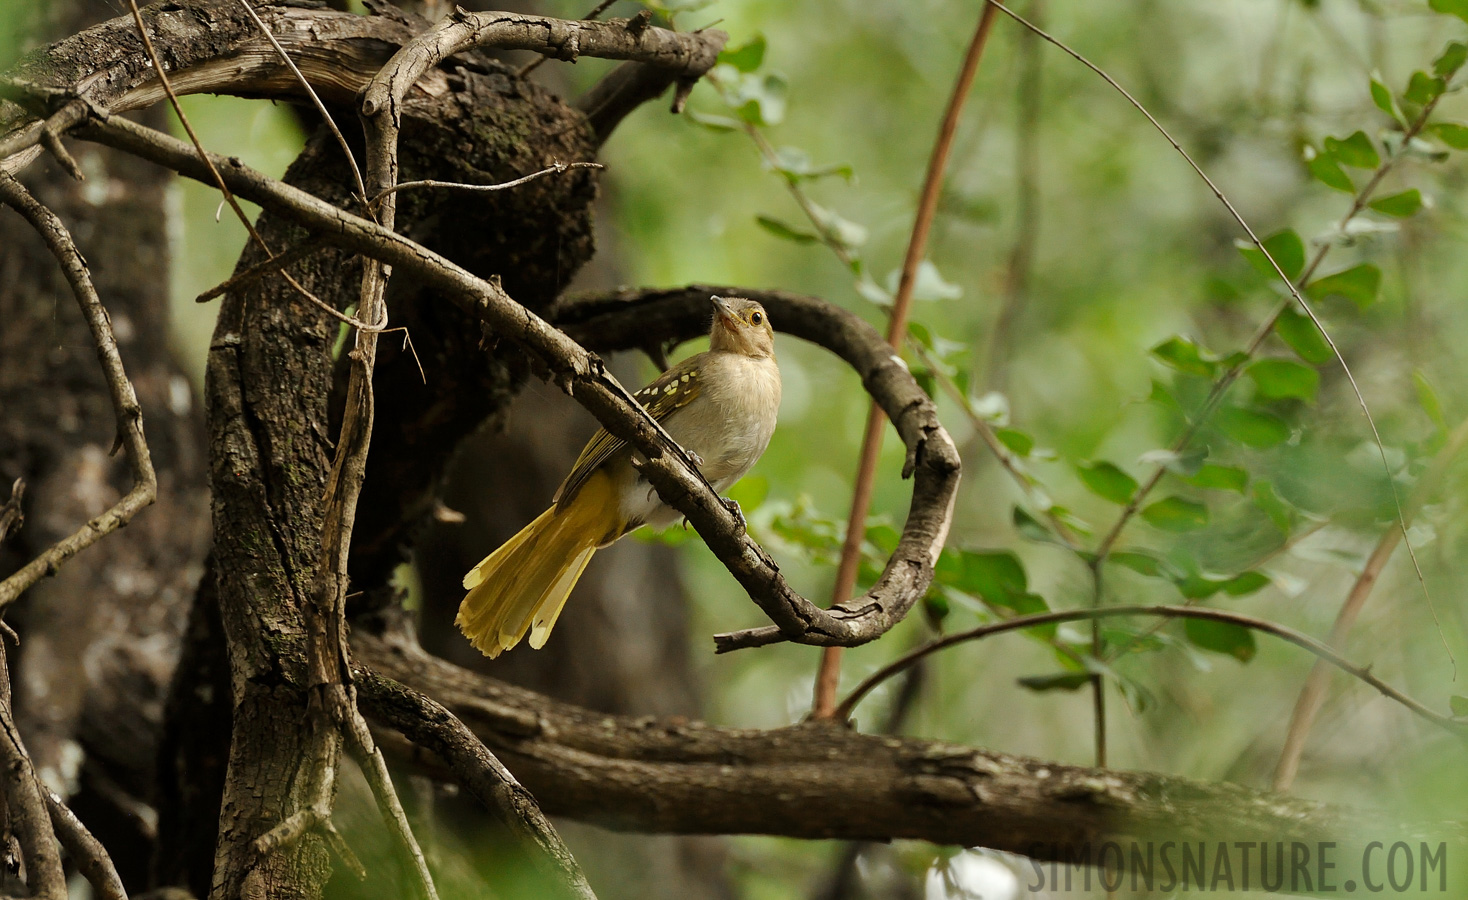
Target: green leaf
1107,481
1327,171
1296,329
1422,88
1222,637
992,575
1141,563
1286,248
1269,502
1019,443
787,232
1428,398
746,57
1451,59
1399,205
1176,514
1459,706
1186,356
1253,427
1382,97
759,100
795,164
1182,463
1284,379
1032,529
927,283
1060,681
1451,133
1356,150
1220,478
1457,8
714,123
844,231
1245,583
1358,284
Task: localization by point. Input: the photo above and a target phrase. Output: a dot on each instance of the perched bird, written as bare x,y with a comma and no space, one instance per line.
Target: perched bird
719,405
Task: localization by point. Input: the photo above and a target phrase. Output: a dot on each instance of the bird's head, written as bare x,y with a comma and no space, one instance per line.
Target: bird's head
741,326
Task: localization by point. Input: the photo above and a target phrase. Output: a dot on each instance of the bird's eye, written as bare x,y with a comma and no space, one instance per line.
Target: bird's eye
756,318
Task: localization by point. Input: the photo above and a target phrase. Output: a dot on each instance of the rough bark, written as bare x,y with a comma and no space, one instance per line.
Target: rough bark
270,377
821,780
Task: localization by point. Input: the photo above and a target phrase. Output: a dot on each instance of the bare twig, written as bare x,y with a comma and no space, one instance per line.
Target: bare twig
124,399
274,264
1299,639
828,676
1312,695
931,455
555,168
374,768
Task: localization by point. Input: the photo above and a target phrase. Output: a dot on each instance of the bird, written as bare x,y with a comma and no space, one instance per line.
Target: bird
719,405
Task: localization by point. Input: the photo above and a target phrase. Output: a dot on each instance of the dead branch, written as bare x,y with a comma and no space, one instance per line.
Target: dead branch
124,399
681,777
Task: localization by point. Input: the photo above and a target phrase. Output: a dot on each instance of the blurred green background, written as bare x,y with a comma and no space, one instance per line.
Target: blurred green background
1074,240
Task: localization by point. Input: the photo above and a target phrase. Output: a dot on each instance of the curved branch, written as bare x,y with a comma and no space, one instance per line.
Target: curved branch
124,400
681,777
1304,641
646,318
931,454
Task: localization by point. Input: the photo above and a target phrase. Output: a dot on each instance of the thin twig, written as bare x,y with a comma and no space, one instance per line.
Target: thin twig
555,168
124,398
1295,294
274,264
828,675
374,769
1299,639
311,92
1312,695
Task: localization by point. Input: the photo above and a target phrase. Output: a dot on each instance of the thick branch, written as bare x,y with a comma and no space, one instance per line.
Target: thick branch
676,776
931,454
124,400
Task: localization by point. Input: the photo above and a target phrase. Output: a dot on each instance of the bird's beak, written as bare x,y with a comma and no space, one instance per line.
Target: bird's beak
724,311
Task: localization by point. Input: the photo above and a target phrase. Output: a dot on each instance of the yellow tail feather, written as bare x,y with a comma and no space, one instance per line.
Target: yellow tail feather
522,586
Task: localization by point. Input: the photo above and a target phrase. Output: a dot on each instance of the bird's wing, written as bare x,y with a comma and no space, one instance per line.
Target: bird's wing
669,392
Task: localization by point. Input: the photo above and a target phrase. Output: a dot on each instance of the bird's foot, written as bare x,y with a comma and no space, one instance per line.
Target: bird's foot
694,458
733,507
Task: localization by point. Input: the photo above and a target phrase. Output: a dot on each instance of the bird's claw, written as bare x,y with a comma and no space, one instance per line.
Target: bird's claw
694,458
733,507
